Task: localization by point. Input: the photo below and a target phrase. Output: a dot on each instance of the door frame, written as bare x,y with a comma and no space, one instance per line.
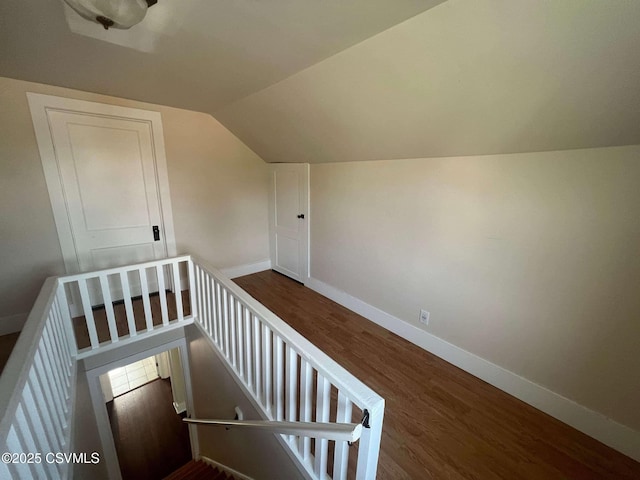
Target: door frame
305,207
109,454
40,105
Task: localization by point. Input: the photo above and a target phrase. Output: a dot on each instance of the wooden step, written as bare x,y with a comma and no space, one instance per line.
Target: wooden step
198,470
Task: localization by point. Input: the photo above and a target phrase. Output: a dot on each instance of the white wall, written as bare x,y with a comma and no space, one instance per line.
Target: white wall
218,188
215,394
529,261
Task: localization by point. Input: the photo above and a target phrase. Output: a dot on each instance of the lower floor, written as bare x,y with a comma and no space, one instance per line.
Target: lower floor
151,440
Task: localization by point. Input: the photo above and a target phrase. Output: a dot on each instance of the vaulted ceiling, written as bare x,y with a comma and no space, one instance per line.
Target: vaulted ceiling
334,80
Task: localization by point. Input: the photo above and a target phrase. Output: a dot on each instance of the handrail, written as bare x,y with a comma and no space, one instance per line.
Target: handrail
113,270
344,432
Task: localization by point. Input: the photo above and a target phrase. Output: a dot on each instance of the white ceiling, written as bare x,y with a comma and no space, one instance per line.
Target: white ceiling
341,80
194,54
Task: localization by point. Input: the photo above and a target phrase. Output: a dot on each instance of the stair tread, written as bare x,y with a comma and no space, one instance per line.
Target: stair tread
198,470
191,471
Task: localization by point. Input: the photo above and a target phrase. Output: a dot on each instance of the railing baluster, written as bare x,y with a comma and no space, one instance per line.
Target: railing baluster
306,392
266,367
65,316
200,287
45,401
162,292
341,451
177,289
257,370
55,357
322,415
369,445
220,323
208,308
108,307
44,380
291,385
61,346
240,337
128,305
225,312
39,423
24,431
146,301
53,369
247,347
88,313
15,444
192,288
232,330
278,376
211,285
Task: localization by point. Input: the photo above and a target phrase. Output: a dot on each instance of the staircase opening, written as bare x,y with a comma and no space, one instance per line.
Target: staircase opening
150,438
142,399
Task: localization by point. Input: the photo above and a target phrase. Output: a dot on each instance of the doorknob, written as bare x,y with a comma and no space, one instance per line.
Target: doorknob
156,233
301,215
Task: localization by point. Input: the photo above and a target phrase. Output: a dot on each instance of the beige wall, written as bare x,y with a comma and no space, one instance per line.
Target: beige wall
215,394
527,260
218,191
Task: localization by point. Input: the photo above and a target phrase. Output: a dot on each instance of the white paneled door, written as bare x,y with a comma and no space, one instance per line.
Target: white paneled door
289,220
104,167
107,169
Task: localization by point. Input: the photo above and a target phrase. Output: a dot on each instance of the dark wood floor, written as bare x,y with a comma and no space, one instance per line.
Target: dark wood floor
151,439
122,326
440,422
7,342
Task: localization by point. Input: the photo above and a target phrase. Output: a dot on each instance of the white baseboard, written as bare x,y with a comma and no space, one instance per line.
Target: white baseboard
12,323
224,468
590,422
240,270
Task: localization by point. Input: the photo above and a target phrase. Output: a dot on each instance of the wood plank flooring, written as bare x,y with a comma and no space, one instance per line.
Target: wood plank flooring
151,439
102,327
7,342
440,422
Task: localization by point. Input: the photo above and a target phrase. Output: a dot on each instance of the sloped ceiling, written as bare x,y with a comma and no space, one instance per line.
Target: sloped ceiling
468,77
194,54
334,80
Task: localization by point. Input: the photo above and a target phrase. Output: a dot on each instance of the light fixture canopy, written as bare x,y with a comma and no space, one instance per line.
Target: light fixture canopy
112,13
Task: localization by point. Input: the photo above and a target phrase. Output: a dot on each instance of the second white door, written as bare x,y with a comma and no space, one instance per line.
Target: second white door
289,220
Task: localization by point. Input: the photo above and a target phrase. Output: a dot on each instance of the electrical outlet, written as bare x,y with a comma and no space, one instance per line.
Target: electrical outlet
424,317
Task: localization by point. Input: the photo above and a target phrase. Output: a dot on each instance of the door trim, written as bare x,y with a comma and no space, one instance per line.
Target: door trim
109,454
40,105
305,207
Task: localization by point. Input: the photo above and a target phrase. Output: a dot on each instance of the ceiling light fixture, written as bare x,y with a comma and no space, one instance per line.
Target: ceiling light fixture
112,13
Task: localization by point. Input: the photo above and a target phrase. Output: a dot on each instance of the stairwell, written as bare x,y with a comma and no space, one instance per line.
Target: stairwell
199,470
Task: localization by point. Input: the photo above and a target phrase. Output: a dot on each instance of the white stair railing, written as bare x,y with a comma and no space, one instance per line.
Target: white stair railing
287,377
132,287
37,393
